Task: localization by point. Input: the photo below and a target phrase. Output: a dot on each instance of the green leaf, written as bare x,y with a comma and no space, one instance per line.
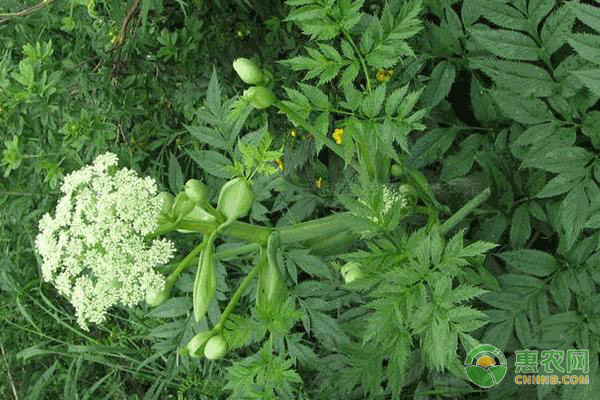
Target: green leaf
560,160
588,14
508,44
212,162
533,262
560,184
521,109
172,308
574,211
587,46
175,174
213,95
590,78
502,14
522,78
442,78
556,29
371,106
520,229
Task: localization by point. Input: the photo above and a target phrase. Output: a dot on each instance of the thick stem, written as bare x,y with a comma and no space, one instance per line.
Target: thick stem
464,211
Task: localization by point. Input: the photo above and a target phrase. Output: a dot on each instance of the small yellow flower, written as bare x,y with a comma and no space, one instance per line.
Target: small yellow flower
337,135
319,183
280,164
384,75
293,133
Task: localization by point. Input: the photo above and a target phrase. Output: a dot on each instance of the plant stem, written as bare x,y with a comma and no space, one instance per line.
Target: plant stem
236,251
236,298
183,264
360,57
464,211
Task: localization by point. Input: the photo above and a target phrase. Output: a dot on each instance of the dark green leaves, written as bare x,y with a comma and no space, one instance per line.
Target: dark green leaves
533,262
507,44
442,78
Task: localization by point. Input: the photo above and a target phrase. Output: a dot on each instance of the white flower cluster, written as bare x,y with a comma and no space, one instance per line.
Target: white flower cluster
392,199
94,250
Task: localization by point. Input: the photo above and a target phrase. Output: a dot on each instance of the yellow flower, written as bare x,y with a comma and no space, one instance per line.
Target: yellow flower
293,133
319,183
384,75
280,164
337,135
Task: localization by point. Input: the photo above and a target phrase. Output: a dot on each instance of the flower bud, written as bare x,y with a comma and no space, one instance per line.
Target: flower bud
215,348
235,199
248,71
351,272
196,191
183,205
396,170
167,200
260,97
196,345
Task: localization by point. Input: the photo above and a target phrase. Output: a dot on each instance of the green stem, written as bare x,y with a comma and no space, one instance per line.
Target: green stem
464,211
236,251
183,264
236,298
360,57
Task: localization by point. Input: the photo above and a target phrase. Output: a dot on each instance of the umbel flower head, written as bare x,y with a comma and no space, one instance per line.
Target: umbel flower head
94,249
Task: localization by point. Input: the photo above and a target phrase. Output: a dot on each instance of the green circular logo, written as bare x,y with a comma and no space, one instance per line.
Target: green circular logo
485,365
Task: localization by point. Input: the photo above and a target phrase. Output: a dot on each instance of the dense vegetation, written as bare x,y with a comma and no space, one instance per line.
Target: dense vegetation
446,152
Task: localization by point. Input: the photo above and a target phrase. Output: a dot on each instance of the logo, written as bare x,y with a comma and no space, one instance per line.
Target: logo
486,365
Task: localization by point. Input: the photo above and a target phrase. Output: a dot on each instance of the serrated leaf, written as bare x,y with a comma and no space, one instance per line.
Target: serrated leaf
175,174
522,78
588,14
521,109
212,162
442,78
172,308
556,29
520,229
587,46
533,262
502,14
371,105
560,160
590,78
508,44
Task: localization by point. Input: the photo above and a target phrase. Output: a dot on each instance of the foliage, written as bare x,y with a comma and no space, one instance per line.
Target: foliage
457,96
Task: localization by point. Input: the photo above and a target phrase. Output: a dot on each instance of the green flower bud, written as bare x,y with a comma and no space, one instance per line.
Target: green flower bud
183,205
196,191
197,343
215,348
248,71
236,199
351,272
260,97
205,284
167,200
397,170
